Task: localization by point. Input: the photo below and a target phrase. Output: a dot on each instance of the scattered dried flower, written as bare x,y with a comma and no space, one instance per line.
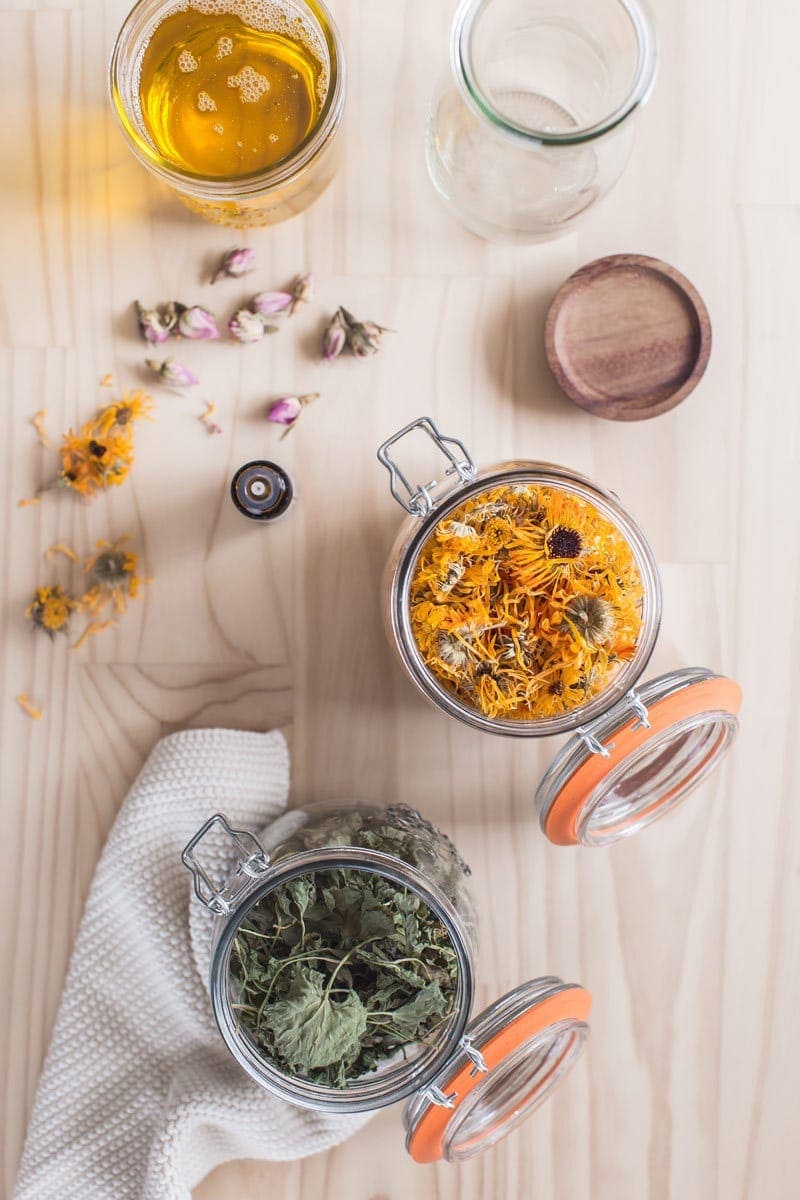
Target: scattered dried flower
302,291
29,708
101,454
60,548
51,609
112,583
334,337
206,418
172,373
286,410
235,264
246,326
29,502
197,324
37,421
107,381
156,324
271,304
363,338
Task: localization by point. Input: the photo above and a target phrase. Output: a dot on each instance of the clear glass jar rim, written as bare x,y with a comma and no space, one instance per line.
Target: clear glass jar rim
463,68
242,185
371,1095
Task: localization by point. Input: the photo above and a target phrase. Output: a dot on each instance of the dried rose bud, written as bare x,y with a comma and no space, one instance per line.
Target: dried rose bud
285,410
172,373
246,326
197,324
235,264
363,337
269,304
153,327
302,291
334,338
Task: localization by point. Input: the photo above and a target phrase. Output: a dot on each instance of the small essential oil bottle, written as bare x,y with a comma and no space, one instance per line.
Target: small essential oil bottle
262,491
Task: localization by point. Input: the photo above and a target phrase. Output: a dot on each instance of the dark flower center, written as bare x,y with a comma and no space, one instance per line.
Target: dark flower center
563,542
97,449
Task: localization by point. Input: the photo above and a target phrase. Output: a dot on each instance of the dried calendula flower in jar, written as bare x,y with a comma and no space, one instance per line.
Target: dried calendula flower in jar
525,602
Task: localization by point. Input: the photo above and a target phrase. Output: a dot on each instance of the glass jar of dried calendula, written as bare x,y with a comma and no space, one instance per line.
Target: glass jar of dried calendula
524,599
343,972
234,104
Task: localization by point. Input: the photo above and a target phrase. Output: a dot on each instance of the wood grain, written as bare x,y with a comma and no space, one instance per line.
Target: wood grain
687,936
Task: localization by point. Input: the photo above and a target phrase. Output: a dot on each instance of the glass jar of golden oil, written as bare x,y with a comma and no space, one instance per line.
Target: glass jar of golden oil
234,104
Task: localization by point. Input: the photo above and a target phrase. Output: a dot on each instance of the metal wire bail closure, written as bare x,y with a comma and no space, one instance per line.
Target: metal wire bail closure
419,500
253,861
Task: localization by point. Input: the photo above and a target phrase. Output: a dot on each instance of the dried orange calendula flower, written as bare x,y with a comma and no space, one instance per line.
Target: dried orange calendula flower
51,609
525,601
112,583
100,455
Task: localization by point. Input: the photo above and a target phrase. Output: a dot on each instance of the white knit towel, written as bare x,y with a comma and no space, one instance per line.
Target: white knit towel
139,1097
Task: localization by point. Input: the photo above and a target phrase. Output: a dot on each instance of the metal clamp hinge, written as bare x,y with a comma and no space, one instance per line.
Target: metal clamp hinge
592,744
254,861
436,1096
474,1055
639,709
419,500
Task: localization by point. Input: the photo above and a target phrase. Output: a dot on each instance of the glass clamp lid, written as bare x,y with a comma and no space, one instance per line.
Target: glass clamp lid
640,759
511,1058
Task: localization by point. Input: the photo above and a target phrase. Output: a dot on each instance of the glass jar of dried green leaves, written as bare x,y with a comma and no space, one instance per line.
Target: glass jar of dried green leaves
343,972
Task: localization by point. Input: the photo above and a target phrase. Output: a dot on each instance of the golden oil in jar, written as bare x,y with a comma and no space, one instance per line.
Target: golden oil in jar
230,87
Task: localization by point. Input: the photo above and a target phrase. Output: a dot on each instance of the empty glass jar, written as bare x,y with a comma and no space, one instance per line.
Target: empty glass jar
535,119
474,1078
636,750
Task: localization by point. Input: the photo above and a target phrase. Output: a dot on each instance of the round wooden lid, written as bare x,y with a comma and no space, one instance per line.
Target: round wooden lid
627,337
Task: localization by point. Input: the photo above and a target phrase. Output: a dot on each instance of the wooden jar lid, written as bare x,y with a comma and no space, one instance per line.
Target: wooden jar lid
627,337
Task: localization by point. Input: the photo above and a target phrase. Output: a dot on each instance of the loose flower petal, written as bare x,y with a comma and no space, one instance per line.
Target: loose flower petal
246,326
29,708
37,421
60,548
269,304
235,264
197,324
205,418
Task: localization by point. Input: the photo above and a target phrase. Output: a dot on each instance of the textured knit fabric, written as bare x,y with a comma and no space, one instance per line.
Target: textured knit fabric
139,1097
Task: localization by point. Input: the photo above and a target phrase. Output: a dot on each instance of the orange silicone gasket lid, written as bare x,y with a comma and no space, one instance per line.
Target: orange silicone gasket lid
716,694
426,1142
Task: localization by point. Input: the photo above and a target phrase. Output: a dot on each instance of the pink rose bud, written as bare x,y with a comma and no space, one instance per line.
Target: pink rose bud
246,326
235,264
269,304
172,373
152,325
287,409
302,291
197,324
334,337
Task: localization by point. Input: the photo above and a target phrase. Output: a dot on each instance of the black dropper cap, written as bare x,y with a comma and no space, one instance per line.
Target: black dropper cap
262,491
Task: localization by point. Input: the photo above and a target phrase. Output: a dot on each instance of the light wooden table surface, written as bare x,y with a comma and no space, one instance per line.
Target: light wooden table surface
688,935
